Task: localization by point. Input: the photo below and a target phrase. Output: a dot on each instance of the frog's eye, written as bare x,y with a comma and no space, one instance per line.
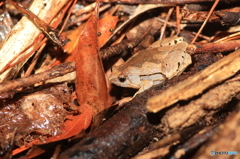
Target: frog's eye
122,79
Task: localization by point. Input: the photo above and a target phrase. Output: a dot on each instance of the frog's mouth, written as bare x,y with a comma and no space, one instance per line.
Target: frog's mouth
126,81
135,81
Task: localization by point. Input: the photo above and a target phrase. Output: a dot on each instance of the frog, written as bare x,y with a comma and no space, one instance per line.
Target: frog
162,60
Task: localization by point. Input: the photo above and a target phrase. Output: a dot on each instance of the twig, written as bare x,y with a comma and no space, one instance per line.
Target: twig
165,24
56,71
162,1
34,61
205,22
213,47
178,19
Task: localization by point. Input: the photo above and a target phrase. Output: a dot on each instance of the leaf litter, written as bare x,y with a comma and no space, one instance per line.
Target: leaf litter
45,115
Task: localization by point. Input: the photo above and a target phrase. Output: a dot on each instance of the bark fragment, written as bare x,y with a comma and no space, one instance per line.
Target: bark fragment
226,139
121,136
229,18
207,104
217,72
214,47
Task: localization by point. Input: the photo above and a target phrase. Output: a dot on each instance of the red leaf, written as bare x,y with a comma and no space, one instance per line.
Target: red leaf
75,124
106,25
91,87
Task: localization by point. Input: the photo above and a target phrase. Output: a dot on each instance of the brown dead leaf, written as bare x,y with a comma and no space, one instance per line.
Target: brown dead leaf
75,124
72,126
38,115
71,45
25,147
138,11
106,26
91,85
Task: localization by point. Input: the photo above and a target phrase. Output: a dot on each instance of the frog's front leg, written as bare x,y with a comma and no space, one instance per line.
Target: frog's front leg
144,86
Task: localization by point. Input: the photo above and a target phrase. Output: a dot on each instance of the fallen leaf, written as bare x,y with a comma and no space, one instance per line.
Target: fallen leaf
75,124
25,147
106,26
91,85
139,10
72,125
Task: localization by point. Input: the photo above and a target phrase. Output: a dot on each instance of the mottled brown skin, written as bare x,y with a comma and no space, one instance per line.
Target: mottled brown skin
163,60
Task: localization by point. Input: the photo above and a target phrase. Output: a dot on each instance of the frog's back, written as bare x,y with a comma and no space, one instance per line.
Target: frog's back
140,62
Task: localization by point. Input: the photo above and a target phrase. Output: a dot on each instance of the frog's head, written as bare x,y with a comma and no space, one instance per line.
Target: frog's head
125,81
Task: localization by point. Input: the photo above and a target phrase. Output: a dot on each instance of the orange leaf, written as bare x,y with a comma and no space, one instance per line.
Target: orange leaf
75,124
91,85
25,147
34,152
73,35
106,25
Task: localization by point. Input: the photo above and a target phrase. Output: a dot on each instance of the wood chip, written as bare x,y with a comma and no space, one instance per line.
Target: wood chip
24,33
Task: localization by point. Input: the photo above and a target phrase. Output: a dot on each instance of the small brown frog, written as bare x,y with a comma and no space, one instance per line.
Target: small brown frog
163,60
